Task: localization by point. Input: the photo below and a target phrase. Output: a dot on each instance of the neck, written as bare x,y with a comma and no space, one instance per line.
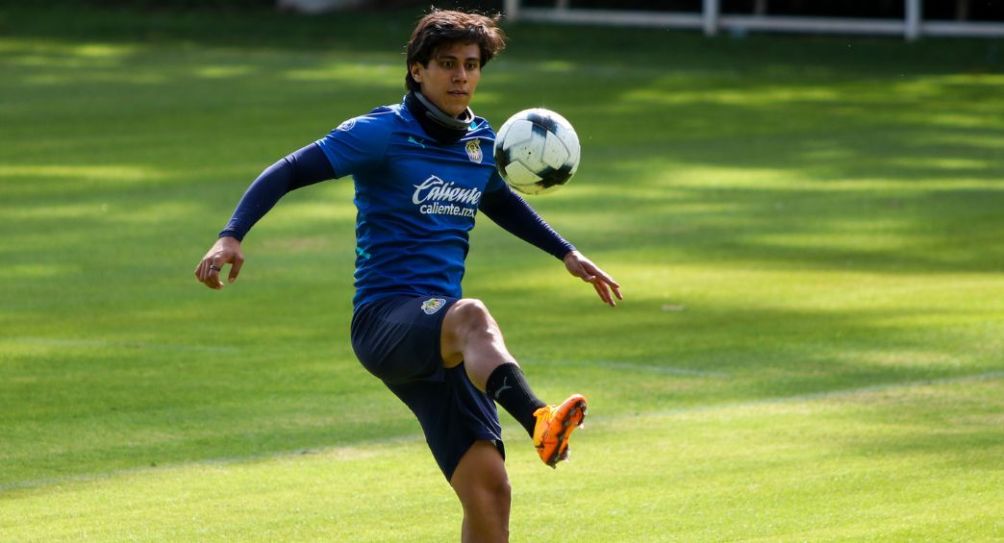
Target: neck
438,124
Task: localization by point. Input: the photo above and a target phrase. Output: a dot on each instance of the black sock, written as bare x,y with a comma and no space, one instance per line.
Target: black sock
507,386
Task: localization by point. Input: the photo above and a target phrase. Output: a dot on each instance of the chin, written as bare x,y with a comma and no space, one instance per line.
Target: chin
452,105
457,106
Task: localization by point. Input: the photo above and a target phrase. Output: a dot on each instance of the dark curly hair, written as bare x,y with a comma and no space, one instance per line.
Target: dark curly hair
440,27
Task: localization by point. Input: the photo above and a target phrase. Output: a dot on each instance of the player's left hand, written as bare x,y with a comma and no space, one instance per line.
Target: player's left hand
580,266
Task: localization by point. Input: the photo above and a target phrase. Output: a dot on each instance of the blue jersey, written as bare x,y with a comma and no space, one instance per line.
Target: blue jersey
416,200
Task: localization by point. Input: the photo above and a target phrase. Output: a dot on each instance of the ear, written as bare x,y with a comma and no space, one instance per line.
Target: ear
416,71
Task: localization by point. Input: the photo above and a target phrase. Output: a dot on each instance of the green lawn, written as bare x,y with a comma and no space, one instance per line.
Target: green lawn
807,231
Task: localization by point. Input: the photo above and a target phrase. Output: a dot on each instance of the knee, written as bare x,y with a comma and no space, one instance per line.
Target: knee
472,309
474,316
494,495
502,492
482,485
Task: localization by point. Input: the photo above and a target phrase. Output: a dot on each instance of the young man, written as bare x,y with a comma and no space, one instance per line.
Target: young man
422,169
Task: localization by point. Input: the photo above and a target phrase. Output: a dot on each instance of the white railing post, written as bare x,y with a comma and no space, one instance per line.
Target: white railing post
913,16
710,17
712,22
511,10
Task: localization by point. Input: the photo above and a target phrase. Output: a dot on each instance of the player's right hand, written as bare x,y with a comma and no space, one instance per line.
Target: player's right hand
226,250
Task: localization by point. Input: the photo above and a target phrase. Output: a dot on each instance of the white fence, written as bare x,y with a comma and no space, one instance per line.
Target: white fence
711,20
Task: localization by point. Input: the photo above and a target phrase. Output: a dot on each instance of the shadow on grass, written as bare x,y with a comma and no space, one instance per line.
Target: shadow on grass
952,424
793,153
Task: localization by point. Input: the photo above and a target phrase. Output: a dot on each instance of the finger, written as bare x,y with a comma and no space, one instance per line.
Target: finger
213,278
588,267
606,277
614,286
213,281
607,298
235,269
603,293
205,280
202,271
609,280
210,273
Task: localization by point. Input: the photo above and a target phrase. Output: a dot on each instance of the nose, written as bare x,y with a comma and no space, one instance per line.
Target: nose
460,74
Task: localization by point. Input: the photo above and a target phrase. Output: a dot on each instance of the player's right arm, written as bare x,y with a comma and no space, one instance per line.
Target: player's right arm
304,167
355,144
226,250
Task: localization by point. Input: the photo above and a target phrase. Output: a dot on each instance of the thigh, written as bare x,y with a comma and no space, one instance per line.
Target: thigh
398,339
453,414
481,467
482,485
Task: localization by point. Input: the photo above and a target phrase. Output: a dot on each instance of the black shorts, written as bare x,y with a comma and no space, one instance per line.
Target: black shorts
397,340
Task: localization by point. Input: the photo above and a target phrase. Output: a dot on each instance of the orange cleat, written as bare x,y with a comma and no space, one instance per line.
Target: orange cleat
555,425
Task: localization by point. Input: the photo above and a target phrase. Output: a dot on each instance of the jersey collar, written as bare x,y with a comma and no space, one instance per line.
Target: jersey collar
442,127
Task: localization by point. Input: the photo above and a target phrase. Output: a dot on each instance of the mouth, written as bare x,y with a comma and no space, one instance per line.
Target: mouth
458,93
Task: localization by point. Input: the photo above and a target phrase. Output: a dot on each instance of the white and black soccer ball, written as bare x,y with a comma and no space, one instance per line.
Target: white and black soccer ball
536,151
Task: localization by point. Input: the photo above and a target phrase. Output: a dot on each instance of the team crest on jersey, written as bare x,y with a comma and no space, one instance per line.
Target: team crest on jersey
474,150
432,305
347,125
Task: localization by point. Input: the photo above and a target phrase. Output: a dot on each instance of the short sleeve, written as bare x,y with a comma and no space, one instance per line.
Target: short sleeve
357,144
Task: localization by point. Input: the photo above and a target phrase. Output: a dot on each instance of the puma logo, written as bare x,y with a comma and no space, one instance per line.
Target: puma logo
502,388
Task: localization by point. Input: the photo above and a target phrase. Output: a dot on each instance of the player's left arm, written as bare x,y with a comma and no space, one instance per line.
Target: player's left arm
514,214
606,287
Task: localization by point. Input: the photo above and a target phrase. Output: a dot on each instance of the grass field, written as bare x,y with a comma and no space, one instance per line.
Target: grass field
807,231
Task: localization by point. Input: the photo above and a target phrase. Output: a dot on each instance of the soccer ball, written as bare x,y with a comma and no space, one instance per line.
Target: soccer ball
536,151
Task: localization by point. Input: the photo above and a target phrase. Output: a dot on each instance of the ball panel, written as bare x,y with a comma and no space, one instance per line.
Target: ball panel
555,153
520,132
571,141
544,118
501,161
520,175
555,176
527,189
541,189
501,135
527,152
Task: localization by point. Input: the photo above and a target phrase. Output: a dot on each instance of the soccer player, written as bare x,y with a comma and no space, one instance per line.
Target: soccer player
422,170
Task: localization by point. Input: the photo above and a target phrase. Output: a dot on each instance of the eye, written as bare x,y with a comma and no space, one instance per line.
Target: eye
447,64
471,66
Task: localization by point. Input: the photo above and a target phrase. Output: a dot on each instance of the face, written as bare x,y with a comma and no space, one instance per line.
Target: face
451,77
